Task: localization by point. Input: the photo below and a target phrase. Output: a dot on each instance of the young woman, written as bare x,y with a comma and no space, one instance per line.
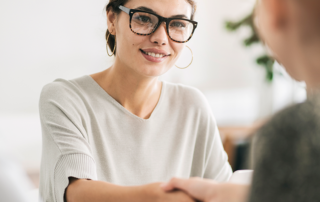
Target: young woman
287,149
115,135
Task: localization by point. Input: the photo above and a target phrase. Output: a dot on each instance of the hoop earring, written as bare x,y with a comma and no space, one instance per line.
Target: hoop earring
114,48
190,62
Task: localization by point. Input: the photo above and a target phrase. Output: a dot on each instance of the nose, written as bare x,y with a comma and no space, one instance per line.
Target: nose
160,36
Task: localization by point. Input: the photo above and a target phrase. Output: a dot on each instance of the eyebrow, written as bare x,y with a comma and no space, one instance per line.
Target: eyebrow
142,8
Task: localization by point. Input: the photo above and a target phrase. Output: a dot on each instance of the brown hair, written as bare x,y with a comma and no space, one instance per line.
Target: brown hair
114,6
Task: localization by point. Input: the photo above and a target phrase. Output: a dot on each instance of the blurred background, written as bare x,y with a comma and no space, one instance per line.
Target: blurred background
44,40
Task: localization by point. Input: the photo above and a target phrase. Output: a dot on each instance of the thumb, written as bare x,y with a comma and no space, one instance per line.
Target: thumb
174,183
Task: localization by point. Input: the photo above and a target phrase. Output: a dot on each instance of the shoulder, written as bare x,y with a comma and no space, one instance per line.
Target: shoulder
295,120
62,88
62,93
288,145
291,129
57,87
190,104
187,95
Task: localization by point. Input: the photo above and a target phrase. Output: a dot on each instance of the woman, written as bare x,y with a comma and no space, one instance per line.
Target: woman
115,135
287,149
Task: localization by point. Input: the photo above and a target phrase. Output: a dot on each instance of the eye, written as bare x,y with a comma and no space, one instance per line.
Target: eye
143,19
178,24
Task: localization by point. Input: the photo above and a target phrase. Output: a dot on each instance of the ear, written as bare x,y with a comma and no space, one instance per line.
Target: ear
279,12
111,21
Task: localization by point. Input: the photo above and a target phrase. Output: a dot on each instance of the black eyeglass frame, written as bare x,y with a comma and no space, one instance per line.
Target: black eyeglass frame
161,19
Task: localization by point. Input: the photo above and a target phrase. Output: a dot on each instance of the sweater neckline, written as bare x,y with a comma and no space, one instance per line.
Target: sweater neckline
117,104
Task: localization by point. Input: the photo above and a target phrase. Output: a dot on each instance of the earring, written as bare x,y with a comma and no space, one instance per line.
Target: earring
114,48
190,62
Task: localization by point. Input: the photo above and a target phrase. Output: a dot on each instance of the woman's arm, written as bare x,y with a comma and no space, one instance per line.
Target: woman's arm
208,190
81,190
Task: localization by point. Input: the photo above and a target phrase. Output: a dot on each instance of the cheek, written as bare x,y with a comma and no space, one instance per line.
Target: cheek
177,49
128,43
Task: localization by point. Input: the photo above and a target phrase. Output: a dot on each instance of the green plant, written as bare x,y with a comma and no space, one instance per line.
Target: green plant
264,60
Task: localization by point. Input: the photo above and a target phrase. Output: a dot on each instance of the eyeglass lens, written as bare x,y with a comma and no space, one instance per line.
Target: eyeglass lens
145,23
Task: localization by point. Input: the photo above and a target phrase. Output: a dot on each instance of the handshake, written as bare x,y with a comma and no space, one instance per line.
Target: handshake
198,189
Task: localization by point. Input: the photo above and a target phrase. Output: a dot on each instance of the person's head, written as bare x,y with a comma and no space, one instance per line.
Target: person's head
291,29
133,50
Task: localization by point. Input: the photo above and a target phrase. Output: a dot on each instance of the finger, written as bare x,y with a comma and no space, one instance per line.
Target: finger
167,186
174,183
196,187
199,188
190,186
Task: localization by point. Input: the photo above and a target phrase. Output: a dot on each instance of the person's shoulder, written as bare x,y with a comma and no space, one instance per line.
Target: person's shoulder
301,113
186,94
293,129
62,89
189,99
293,121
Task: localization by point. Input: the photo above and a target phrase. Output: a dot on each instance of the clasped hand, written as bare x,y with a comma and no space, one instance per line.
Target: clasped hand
208,190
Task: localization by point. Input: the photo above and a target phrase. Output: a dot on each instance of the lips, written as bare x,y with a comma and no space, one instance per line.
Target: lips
154,55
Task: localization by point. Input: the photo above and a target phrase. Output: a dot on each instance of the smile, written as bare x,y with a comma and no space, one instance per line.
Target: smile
156,55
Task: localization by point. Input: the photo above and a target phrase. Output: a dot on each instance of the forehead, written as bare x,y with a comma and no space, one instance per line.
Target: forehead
165,8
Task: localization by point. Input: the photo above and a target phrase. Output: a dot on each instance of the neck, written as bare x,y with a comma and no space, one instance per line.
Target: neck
136,93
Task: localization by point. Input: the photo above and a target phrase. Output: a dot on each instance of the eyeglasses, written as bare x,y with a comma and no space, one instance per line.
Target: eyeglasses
145,23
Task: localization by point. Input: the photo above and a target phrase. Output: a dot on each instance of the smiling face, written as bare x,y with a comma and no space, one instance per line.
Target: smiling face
151,55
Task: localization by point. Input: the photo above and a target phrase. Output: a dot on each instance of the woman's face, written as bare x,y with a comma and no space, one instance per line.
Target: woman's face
131,48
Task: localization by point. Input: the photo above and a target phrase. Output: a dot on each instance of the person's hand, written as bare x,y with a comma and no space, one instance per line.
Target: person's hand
209,191
155,193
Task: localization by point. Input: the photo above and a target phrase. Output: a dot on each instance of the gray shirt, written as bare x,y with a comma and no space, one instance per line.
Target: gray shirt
286,156
88,134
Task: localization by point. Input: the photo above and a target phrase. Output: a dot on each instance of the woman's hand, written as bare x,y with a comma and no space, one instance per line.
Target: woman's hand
155,193
81,190
208,190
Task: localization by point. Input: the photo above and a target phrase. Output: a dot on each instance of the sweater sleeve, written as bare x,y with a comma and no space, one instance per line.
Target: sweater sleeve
66,150
209,145
217,166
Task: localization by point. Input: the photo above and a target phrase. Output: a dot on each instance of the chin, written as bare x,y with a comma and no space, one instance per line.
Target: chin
153,70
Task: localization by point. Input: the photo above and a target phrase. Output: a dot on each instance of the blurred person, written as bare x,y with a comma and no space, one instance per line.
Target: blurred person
115,135
286,150
14,184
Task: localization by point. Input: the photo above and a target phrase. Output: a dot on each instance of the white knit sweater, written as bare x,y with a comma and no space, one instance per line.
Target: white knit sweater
88,134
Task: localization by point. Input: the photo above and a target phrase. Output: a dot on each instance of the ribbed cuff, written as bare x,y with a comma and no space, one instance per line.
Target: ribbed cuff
79,166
